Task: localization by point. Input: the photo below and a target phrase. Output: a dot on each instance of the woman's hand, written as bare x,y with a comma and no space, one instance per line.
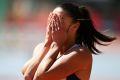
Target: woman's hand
48,37
59,34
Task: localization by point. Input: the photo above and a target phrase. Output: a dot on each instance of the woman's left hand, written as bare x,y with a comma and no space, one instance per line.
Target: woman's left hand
59,34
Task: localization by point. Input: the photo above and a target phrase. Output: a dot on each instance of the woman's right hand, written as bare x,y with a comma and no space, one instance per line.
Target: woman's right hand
48,37
59,35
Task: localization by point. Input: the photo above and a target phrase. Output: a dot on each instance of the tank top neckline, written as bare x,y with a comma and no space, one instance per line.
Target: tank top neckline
75,45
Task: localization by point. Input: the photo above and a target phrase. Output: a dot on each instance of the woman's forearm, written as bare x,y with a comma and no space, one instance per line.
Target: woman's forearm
51,56
47,62
31,69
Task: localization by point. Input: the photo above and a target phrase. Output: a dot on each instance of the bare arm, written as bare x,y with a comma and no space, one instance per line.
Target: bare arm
52,69
35,54
48,61
39,53
31,66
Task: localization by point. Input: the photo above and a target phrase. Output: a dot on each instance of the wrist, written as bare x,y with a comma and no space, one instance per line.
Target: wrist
56,45
47,43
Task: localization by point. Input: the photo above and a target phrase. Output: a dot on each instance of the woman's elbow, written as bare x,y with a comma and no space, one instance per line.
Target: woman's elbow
23,71
27,77
39,77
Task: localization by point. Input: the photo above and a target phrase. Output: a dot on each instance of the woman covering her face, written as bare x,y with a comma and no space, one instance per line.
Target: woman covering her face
66,52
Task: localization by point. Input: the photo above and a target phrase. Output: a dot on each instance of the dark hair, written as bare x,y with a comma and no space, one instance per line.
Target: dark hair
86,34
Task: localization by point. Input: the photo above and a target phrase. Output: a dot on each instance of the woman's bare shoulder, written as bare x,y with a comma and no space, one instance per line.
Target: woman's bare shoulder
82,54
81,51
85,52
86,56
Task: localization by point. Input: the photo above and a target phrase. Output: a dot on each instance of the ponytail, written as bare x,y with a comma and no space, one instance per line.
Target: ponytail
86,34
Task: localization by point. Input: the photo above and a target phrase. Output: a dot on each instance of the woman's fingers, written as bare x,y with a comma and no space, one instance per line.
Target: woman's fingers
49,17
56,22
61,21
48,36
49,22
53,23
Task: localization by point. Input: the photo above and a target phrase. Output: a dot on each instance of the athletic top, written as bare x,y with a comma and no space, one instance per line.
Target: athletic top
72,77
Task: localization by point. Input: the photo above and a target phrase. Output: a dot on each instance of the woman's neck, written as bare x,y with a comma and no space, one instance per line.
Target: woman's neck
69,42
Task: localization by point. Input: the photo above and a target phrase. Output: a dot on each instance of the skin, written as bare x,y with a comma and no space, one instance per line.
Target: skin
60,36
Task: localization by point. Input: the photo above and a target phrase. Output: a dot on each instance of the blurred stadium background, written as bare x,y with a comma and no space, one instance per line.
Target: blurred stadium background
22,27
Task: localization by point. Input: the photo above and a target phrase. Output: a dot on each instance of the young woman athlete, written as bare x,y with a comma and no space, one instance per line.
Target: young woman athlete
66,52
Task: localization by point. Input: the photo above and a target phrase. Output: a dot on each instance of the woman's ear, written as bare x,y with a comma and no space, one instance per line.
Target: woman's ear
76,25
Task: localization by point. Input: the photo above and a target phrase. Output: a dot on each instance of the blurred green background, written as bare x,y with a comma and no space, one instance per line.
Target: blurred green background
22,27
